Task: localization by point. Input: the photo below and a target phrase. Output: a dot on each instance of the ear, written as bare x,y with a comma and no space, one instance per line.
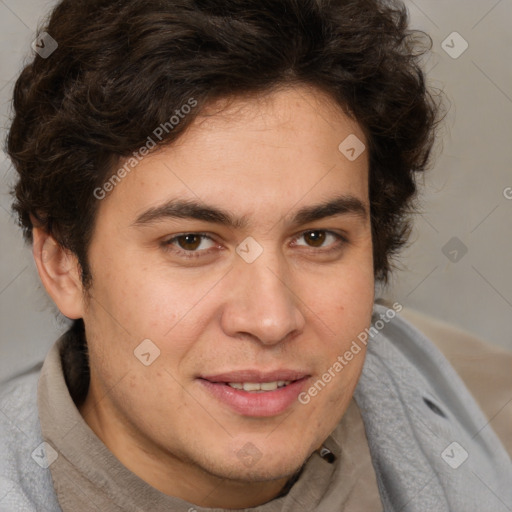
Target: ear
59,271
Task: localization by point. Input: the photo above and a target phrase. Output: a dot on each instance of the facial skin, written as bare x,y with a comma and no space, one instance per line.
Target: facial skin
297,306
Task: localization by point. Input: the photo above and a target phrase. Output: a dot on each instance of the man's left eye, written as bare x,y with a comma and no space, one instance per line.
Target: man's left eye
317,238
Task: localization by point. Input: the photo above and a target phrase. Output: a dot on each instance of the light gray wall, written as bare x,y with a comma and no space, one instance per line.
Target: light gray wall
463,195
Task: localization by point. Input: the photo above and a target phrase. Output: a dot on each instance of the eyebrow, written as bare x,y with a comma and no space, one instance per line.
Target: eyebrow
195,209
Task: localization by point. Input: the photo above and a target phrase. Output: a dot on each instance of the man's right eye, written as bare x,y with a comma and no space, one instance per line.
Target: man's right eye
189,245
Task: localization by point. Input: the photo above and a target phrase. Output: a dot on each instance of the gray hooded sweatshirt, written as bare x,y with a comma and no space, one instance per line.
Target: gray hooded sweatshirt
431,447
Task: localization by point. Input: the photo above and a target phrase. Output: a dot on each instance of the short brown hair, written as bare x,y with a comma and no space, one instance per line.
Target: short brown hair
124,67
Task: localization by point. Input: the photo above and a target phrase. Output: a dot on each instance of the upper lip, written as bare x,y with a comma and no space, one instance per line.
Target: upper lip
256,376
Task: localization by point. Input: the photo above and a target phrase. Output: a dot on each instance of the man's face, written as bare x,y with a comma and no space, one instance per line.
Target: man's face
277,297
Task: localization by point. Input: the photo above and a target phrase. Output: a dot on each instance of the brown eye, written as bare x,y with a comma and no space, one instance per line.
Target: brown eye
315,238
322,239
189,242
189,245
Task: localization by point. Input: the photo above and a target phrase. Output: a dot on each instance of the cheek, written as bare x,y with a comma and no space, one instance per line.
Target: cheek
344,301
343,311
145,302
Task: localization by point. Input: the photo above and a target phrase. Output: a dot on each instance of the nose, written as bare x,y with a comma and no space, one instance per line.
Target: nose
261,303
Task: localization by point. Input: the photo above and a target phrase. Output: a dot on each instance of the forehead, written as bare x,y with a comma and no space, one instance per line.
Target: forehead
248,154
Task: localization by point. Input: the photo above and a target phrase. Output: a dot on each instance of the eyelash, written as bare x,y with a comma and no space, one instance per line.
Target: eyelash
341,241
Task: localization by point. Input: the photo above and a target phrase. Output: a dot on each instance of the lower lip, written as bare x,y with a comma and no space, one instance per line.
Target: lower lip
268,403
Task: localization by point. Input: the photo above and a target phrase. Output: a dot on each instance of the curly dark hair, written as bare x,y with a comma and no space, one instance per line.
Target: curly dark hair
123,67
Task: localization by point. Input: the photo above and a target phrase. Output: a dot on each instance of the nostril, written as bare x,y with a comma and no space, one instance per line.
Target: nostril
434,407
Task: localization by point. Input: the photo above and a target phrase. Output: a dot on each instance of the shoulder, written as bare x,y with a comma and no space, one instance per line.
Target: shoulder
485,369
25,480
421,418
445,362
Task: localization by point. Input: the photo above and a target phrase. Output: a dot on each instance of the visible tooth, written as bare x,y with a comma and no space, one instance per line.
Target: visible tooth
252,386
269,386
257,386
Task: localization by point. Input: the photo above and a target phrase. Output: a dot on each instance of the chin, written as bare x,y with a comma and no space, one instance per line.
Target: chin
271,463
264,472
247,464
